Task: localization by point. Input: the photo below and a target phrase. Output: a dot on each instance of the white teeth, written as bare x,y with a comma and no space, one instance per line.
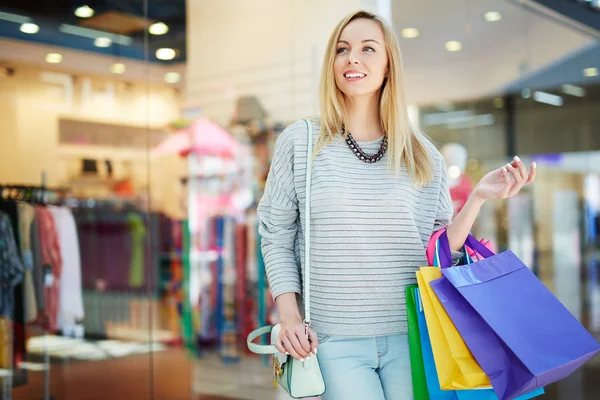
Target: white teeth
355,75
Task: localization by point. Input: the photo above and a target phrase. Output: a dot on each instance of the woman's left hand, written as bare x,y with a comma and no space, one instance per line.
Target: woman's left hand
505,182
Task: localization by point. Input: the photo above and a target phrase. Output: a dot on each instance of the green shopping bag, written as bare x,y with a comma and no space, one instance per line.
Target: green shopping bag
414,342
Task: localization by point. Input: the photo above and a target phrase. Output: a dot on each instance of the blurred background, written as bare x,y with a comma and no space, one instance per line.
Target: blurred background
135,141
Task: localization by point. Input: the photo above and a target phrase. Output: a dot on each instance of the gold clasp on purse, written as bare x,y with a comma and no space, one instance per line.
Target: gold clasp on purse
277,370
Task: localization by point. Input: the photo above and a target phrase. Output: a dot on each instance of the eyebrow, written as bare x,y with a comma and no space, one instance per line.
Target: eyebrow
364,41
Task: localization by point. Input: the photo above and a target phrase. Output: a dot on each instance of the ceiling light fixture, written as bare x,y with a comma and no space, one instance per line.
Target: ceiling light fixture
573,90
590,72
165,54
102,42
172,77
54,58
118,68
30,28
19,19
84,12
548,98
492,16
158,28
409,33
453,45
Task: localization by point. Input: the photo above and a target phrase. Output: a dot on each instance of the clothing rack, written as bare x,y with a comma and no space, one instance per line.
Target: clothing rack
40,195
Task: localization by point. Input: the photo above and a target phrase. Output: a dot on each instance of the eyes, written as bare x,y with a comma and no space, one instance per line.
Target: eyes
367,49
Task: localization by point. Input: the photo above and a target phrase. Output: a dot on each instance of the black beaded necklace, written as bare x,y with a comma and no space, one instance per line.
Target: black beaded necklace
358,152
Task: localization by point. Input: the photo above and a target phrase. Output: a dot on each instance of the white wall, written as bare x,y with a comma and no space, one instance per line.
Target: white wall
268,48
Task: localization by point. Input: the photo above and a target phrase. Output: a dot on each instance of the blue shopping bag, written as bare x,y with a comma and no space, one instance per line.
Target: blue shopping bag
431,376
517,330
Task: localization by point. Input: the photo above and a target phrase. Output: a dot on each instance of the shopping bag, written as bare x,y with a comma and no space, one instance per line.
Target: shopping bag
431,376
456,367
414,342
433,384
524,337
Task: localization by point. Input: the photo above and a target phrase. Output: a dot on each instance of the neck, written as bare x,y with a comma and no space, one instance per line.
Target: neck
363,118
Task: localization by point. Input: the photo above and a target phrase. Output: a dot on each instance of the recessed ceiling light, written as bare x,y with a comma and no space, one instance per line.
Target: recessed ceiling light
102,42
172,77
590,72
54,58
165,54
84,12
492,16
118,68
158,28
453,45
409,33
30,28
526,93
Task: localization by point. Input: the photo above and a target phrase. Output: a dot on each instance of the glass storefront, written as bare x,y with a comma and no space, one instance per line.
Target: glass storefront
135,142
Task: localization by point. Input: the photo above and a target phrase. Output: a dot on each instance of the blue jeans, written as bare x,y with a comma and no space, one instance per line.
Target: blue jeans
373,368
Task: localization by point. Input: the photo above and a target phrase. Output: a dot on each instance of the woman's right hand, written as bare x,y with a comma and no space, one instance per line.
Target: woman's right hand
292,339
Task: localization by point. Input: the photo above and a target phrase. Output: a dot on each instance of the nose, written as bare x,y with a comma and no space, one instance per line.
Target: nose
352,59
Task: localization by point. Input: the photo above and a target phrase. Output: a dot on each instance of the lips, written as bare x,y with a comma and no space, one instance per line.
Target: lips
352,74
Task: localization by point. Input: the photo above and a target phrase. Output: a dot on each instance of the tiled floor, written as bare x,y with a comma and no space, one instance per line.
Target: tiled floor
175,377
171,375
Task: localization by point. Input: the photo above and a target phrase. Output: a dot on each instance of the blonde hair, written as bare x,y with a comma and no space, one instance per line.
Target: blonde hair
405,147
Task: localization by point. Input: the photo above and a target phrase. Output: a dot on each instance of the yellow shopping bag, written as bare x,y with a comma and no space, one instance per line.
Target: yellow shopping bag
456,366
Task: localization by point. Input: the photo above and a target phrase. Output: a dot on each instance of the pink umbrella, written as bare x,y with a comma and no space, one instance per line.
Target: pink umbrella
202,137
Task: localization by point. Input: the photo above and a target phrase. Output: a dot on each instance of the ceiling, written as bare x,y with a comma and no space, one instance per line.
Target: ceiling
494,55
527,47
125,22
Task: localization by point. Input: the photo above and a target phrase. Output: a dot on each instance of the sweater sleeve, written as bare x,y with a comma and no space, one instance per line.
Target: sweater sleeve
278,216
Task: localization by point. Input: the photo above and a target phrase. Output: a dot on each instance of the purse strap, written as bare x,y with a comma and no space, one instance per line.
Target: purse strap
271,349
307,225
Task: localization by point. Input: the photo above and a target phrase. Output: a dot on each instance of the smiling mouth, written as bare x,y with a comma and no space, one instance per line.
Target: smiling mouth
354,75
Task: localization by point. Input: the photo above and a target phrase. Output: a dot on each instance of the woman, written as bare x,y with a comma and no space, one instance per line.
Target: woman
379,191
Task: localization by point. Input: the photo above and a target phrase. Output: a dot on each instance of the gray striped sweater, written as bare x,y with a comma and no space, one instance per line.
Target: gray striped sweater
369,232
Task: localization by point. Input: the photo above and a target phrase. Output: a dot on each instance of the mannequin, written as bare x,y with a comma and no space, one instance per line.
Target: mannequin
461,186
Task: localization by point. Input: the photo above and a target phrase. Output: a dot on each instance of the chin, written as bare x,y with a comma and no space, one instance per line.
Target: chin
357,92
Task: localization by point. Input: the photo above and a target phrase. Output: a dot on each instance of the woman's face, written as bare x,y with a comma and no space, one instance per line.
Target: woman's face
361,62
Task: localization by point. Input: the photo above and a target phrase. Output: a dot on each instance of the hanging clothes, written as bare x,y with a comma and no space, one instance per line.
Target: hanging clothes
26,219
138,233
52,262
11,268
11,274
19,351
38,267
71,297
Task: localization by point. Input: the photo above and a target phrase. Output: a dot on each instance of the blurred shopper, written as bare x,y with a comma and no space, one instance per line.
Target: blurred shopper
379,191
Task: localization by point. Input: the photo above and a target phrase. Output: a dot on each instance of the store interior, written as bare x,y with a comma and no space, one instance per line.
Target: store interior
136,138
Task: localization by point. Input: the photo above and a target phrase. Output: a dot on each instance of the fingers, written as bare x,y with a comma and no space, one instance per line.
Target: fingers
314,340
532,173
298,348
522,169
279,345
516,173
507,181
304,343
289,347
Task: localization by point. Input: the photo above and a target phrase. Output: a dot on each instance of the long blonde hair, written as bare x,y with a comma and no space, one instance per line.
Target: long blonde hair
405,147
